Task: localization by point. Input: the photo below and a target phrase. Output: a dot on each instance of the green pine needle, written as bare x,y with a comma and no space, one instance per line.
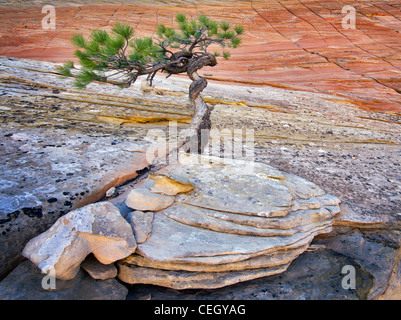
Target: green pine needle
180,18
65,69
224,25
124,30
78,41
226,55
204,20
160,30
100,36
239,29
236,42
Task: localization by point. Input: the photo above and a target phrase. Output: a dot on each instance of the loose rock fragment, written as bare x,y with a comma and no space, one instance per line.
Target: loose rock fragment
167,186
97,270
98,228
143,199
110,192
141,223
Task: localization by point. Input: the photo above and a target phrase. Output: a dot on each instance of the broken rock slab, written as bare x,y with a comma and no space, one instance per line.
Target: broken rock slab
143,199
97,228
167,186
186,280
141,223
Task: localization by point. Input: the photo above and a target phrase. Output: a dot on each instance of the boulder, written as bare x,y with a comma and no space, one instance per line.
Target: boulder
233,225
97,228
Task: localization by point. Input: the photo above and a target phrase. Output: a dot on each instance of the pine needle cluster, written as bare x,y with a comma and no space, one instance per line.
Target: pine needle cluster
118,54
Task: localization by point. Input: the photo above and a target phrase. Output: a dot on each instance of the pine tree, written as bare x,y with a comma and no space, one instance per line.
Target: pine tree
107,56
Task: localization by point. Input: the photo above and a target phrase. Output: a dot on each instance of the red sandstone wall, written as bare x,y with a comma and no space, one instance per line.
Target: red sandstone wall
296,44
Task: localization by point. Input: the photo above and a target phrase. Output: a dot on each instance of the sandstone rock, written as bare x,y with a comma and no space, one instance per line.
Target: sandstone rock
223,187
65,158
227,222
97,270
235,225
98,228
168,186
141,223
25,283
171,241
143,199
377,252
268,260
192,280
330,141
349,218
298,282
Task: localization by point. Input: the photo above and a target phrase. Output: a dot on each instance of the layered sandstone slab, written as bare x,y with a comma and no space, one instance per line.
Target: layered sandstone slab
186,280
236,224
199,243
144,199
97,270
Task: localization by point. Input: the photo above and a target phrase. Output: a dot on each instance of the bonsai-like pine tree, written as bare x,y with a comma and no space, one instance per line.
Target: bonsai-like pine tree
120,58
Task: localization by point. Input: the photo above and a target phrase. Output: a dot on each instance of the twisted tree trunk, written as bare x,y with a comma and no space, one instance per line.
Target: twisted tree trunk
198,131
197,134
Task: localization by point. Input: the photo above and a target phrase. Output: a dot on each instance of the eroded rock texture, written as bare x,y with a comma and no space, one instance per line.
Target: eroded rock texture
63,149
